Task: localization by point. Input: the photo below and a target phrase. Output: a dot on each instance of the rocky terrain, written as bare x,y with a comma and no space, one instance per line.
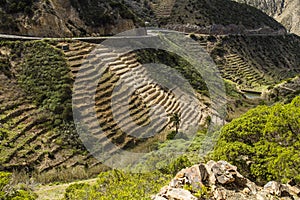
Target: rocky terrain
221,180
286,12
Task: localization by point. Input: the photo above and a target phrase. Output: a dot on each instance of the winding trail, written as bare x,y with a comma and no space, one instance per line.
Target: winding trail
56,192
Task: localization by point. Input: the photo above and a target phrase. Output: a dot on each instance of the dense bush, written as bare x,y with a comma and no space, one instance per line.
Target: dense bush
10,192
44,76
264,143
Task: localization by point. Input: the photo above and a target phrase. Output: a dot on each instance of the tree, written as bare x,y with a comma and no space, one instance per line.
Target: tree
175,119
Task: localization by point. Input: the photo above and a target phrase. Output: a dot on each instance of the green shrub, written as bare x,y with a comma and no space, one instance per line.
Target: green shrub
178,164
171,135
77,191
4,180
264,143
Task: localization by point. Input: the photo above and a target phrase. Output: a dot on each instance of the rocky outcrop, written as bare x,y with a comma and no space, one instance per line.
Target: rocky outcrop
219,181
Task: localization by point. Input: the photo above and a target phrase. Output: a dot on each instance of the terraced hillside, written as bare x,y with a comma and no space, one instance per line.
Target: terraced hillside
116,122
163,9
254,62
37,129
240,72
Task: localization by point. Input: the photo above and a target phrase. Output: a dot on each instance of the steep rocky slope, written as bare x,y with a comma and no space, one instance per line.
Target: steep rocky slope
286,12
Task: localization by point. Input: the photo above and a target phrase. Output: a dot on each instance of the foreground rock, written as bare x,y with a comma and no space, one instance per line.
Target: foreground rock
221,180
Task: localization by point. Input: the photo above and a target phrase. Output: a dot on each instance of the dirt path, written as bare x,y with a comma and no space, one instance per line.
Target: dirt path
56,192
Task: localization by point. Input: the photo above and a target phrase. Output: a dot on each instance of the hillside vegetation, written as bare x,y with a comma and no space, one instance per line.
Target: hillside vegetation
226,12
36,115
263,144
14,192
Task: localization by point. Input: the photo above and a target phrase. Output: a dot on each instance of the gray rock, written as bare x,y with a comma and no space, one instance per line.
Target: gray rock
273,187
180,194
159,198
224,172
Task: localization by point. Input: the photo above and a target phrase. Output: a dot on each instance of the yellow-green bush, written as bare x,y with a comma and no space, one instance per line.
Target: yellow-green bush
264,143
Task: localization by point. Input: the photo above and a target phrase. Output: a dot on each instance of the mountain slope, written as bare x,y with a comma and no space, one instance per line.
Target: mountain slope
58,18
36,123
225,12
286,12
37,130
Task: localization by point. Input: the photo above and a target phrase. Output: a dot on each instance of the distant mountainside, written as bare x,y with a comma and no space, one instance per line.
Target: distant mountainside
225,12
59,18
286,12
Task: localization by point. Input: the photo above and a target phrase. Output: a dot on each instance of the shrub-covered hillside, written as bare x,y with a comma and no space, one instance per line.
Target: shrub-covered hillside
225,12
264,142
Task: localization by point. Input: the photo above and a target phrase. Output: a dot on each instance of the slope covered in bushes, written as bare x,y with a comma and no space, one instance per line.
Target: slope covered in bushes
226,12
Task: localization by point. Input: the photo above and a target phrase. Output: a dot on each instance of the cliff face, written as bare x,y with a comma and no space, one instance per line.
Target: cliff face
59,18
290,17
286,12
